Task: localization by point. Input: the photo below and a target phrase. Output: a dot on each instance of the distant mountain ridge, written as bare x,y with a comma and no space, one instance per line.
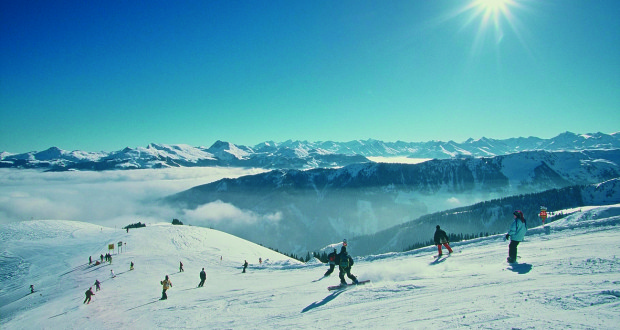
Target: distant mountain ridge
492,216
295,154
298,211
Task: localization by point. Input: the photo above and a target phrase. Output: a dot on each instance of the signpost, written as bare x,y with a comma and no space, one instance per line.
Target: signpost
543,214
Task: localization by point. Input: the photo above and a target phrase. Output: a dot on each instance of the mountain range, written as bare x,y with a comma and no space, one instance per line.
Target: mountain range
301,211
295,154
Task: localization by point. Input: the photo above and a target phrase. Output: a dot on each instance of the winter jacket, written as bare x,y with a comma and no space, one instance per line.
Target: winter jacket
167,284
440,237
345,259
203,275
517,230
332,258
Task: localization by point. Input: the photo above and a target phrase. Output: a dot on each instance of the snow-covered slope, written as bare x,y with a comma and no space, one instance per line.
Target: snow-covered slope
566,279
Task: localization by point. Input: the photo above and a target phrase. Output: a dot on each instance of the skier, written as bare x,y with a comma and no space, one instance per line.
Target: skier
203,278
516,233
90,260
131,266
166,285
89,293
101,257
112,275
441,238
31,288
245,265
180,266
345,262
332,262
97,285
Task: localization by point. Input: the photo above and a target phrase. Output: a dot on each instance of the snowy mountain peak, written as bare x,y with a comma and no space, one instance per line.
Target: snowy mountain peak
297,154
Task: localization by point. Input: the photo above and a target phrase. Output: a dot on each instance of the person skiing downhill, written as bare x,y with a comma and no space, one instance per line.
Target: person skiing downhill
516,233
441,238
180,266
345,262
331,260
167,284
203,278
89,293
245,265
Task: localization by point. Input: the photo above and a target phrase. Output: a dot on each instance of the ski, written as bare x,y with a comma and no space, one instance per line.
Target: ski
339,287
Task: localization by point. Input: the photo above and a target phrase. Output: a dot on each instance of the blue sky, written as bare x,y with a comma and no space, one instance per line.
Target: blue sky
103,75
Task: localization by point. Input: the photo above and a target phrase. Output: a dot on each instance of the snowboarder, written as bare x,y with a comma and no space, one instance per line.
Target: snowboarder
203,278
89,293
166,285
31,288
441,239
516,233
180,266
345,262
331,260
245,265
97,285
131,266
112,275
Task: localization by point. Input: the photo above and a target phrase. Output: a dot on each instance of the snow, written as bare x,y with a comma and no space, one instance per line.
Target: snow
565,279
398,160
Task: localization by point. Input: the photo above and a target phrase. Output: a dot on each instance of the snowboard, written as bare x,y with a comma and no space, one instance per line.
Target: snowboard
339,287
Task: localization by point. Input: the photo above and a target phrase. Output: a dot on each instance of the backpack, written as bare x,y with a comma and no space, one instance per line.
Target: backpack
346,261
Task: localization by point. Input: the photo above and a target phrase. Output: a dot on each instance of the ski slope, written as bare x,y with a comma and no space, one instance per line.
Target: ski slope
569,278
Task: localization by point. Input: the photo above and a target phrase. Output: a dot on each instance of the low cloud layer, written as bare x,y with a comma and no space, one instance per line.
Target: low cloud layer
223,215
110,198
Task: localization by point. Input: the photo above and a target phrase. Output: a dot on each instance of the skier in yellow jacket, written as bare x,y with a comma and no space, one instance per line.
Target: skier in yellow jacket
167,285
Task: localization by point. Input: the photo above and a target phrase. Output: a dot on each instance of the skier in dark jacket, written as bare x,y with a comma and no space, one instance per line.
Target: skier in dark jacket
89,293
441,238
203,278
331,260
345,262
245,265
516,233
97,285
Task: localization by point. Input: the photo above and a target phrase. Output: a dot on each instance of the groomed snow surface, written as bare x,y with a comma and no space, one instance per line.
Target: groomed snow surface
569,278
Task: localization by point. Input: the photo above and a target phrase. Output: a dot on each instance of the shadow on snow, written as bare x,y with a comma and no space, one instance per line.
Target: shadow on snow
322,302
520,268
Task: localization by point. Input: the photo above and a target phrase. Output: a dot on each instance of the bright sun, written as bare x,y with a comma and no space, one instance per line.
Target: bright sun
490,16
492,4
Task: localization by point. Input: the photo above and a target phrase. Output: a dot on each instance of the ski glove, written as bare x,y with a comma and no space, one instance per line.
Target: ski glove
507,236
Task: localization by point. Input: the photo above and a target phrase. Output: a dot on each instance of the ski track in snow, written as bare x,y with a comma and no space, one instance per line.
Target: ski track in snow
567,279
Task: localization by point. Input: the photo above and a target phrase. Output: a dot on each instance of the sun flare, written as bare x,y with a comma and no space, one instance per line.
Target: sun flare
490,16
